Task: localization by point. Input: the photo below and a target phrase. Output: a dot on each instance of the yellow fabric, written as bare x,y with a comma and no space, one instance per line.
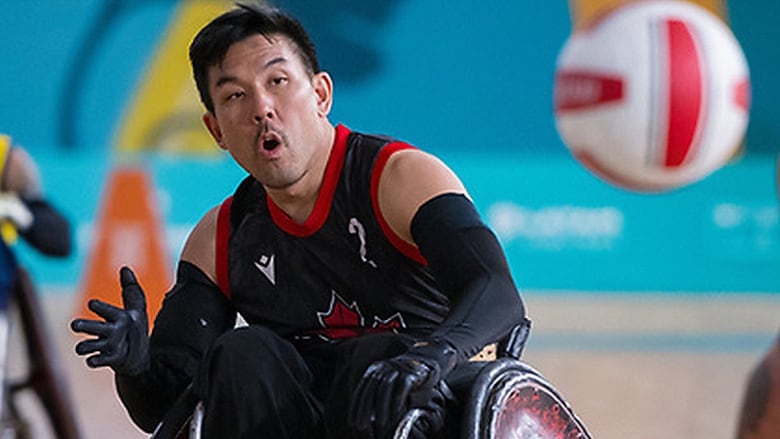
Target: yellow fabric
5,148
7,229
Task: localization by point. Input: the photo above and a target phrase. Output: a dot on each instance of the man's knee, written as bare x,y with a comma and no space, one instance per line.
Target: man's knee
254,383
252,354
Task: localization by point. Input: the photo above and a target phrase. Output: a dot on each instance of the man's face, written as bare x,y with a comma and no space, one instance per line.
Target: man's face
267,109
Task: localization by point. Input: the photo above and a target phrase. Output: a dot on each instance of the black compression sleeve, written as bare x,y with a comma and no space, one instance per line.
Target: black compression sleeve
49,232
469,264
194,313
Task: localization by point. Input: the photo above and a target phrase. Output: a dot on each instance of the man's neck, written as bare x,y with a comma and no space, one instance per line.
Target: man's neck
298,199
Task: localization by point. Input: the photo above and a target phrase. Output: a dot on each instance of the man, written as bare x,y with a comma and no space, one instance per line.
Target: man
25,212
759,416
361,266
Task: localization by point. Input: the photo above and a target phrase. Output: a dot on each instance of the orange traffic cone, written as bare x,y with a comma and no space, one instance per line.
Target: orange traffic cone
128,232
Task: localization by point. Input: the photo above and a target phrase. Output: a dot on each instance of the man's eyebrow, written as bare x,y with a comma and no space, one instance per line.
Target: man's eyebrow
277,60
222,80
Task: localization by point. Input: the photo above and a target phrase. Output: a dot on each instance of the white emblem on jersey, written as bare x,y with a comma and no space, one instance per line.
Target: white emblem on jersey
266,266
355,228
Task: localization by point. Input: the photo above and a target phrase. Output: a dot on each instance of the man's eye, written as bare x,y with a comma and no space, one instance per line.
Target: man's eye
234,95
279,80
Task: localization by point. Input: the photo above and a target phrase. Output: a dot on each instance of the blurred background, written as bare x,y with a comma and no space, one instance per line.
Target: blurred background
620,285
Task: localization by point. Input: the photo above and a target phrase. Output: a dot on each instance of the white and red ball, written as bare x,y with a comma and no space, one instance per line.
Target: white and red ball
653,96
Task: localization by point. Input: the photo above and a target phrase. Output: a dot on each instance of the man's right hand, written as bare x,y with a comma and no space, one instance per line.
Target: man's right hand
122,337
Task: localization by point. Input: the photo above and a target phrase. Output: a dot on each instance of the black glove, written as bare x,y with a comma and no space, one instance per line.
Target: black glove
122,337
389,388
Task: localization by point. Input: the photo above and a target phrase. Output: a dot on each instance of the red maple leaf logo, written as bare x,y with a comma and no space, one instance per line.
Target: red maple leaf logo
396,321
342,320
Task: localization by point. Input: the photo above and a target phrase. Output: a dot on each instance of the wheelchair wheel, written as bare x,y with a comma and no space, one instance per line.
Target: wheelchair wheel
511,400
44,366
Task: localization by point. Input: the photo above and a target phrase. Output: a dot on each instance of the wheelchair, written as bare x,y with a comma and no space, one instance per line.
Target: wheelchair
507,400
43,367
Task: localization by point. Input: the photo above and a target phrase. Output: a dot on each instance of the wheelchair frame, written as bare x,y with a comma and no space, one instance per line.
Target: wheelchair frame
502,376
44,368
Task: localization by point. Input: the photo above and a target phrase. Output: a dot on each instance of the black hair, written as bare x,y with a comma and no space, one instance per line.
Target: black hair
212,43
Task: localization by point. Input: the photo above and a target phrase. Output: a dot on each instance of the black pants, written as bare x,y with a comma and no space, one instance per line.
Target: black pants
254,384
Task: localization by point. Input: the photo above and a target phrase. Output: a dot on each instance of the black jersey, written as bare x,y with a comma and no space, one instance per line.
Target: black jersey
343,272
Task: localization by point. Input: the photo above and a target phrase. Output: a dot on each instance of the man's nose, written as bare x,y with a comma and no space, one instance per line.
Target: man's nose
259,117
263,108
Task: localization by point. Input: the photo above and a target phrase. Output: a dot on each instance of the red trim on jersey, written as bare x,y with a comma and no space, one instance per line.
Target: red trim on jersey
686,94
404,247
221,247
322,206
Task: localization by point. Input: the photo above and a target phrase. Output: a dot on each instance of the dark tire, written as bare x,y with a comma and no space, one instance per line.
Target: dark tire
45,367
506,394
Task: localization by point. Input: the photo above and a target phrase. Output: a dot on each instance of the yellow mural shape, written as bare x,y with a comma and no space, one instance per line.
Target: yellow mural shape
165,114
583,11
8,231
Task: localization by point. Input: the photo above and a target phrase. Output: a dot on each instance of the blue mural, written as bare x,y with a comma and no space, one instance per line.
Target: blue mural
420,67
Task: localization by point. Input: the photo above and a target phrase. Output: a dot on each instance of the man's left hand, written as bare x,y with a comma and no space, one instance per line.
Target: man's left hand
390,388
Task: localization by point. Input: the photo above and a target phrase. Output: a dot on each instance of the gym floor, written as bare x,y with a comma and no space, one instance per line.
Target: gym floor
631,365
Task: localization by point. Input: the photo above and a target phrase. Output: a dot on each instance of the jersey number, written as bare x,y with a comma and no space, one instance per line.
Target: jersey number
355,228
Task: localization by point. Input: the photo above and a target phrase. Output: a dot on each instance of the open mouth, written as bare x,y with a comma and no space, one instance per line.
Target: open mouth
270,144
270,141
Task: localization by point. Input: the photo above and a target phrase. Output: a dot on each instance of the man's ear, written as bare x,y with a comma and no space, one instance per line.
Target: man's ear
213,126
323,87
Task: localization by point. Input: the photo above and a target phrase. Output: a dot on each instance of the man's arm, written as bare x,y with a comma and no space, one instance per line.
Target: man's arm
426,204
50,231
150,372
193,315
41,224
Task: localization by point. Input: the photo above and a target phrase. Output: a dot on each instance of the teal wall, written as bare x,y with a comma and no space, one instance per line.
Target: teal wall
562,228
470,81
